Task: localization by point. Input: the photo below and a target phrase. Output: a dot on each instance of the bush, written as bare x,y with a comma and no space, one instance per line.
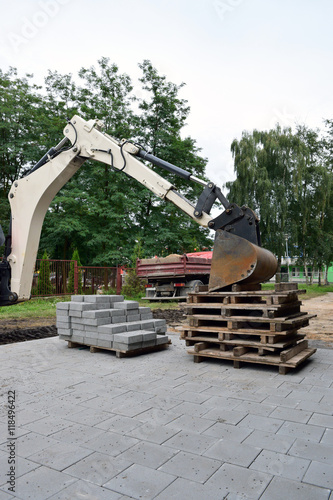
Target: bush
134,286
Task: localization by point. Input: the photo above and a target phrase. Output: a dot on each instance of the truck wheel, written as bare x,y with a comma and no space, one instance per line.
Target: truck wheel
190,287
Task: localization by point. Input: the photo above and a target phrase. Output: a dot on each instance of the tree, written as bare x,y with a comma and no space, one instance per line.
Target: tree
75,261
44,286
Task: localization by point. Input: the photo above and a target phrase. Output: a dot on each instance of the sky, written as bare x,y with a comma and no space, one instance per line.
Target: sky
247,64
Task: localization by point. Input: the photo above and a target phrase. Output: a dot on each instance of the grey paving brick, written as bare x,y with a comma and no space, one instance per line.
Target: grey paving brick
98,468
97,299
303,431
322,420
144,316
280,464
77,298
148,343
327,437
62,305
96,321
22,467
118,319
77,326
108,344
112,329
293,490
191,442
223,415
261,423
77,433
182,489
148,335
120,424
101,313
110,443
47,425
320,474
105,336
116,298
194,423
63,324
243,482
117,312
155,433
67,332
291,415
62,313
147,324
120,346
140,482
64,337
189,466
77,338
132,327
133,317
163,339
270,441
313,451
227,431
128,304
60,455
144,310
33,443
41,483
74,314
83,490
228,451
323,407
148,454
80,306
255,408
128,337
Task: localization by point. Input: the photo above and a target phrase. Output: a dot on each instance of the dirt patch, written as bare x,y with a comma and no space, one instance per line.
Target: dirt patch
321,327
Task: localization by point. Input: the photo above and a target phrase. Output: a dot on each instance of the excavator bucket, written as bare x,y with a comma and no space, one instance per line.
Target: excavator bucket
236,260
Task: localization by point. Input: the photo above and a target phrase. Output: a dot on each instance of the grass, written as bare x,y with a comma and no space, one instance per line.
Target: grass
46,307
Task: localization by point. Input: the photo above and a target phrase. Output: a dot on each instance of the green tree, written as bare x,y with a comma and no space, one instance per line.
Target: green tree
71,276
44,286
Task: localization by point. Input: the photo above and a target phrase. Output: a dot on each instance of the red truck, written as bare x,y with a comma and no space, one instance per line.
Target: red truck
174,276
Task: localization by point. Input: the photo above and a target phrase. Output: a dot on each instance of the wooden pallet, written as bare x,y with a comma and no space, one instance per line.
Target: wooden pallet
254,326
120,353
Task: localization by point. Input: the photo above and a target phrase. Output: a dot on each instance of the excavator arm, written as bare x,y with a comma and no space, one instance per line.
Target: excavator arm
31,196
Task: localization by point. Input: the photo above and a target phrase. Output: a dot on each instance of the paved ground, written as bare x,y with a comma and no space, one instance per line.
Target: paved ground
91,426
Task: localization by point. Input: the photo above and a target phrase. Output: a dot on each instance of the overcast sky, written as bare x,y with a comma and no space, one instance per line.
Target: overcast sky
246,63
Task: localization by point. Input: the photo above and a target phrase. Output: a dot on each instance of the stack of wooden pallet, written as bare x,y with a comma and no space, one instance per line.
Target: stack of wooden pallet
251,325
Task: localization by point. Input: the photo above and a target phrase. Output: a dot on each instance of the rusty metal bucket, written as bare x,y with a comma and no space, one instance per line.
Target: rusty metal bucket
236,260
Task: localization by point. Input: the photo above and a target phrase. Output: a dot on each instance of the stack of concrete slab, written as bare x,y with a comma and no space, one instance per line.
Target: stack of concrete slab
109,322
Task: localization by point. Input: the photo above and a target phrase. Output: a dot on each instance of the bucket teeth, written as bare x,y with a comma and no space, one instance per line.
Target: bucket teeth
236,260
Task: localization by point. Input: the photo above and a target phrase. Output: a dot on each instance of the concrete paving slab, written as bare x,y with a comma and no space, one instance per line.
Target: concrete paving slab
280,465
148,454
112,407
98,468
141,482
293,490
314,451
190,466
84,490
234,479
302,431
41,484
270,441
228,451
320,474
